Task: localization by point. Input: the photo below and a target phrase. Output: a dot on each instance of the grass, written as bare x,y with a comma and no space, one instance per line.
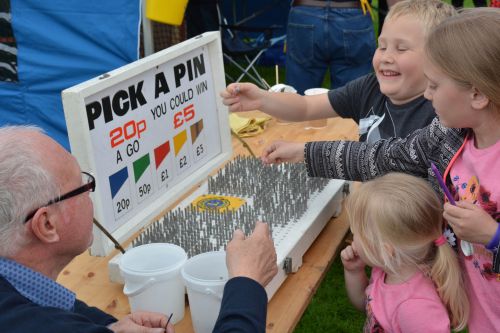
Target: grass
330,309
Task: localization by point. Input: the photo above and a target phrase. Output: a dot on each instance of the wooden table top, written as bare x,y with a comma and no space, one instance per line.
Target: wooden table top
87,276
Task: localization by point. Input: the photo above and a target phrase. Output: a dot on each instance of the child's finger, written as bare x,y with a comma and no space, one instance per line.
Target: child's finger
466,205
453,211
233,89
347,253
229,99
225,94
266,152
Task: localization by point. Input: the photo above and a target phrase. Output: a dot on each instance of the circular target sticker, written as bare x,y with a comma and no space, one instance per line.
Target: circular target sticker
217,202
213,203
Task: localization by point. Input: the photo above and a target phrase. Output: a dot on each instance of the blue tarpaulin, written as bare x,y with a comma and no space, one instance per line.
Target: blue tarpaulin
61,43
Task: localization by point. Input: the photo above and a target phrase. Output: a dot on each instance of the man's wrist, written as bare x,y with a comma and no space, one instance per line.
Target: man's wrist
245,274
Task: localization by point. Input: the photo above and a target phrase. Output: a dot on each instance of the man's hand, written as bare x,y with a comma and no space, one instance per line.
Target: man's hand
253,257
142,322
282,151
470,222
242,97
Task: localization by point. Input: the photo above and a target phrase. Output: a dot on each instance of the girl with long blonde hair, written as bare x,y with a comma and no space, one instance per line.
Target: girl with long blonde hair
416,282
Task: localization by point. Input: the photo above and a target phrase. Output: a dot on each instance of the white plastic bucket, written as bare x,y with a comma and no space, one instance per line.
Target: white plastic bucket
152,278
205,276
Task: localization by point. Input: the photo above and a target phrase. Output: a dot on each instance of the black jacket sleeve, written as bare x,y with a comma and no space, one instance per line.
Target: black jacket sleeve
243,308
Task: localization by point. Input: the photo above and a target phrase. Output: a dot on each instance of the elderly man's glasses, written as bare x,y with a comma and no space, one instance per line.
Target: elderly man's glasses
88,185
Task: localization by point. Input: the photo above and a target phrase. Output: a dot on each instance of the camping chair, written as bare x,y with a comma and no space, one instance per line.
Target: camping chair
243,46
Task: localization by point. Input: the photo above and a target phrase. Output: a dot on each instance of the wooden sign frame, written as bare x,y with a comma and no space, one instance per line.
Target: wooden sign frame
124,124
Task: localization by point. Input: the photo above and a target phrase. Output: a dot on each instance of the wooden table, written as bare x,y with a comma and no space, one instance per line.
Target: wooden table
88,276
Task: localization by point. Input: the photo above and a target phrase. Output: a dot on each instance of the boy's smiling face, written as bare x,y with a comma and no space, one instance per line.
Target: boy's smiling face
398,60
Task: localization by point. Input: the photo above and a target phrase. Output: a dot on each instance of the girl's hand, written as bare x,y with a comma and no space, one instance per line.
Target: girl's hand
351,261
282,151
470,222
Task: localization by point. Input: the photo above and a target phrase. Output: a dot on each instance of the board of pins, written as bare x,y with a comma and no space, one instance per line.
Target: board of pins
295,206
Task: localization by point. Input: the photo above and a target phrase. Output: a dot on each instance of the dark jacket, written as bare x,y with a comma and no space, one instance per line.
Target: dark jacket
20,315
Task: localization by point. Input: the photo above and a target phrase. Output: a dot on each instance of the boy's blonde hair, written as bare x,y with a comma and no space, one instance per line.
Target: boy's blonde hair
397,218
467,49
429,12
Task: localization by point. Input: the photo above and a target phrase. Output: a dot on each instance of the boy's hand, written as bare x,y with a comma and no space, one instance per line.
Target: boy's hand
242,97
470,222
282,151
351,261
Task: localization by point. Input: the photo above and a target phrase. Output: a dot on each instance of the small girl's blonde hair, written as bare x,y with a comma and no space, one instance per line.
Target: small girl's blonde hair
467,49
429,12
397,218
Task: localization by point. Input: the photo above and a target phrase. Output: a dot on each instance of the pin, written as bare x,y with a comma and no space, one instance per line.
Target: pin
168,321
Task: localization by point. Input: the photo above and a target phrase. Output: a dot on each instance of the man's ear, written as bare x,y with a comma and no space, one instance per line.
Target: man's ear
43,225
479,101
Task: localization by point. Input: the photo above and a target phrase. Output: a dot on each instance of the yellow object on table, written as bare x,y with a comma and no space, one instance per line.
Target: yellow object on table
246,127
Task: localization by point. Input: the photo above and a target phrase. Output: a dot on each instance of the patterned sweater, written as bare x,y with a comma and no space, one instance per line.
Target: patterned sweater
362,161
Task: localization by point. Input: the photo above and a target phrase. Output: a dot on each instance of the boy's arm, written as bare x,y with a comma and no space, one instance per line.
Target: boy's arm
295,107
361,161
289,106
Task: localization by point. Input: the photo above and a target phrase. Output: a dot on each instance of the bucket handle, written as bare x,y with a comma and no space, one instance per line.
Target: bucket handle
133,292
209,291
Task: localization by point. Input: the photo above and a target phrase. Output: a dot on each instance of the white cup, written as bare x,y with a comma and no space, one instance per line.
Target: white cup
319,123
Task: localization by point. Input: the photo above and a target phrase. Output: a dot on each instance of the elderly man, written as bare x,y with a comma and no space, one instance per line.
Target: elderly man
46,220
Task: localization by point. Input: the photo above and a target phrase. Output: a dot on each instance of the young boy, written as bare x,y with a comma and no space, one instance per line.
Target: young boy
386,103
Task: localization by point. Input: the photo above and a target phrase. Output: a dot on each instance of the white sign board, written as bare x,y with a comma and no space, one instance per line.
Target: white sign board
148,132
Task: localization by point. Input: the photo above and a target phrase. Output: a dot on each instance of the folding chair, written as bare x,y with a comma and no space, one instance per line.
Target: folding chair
244,45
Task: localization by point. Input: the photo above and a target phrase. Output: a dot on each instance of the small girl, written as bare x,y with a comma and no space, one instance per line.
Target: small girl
416,282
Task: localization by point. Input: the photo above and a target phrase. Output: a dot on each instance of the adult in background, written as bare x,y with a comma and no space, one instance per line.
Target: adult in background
201,16
327,35
46,220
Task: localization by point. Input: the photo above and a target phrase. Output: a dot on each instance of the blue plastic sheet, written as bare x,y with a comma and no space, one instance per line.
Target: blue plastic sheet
61,43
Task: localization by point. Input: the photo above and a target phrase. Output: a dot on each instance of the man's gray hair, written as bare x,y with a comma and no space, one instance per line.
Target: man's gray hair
25,184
